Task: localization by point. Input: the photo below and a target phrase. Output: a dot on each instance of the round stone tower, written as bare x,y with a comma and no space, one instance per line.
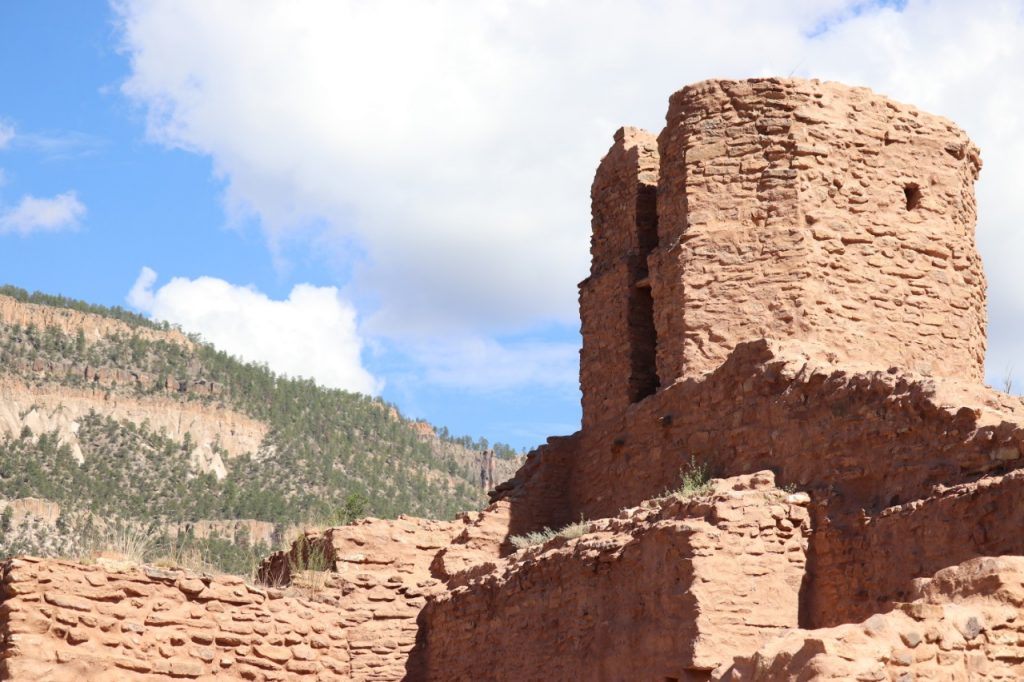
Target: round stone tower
781,209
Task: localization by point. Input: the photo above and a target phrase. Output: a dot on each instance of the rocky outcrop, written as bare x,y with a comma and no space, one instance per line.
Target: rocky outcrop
70,322
25,508
211,427
256,532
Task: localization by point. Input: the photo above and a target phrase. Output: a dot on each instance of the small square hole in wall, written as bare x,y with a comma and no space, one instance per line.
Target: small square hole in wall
913,196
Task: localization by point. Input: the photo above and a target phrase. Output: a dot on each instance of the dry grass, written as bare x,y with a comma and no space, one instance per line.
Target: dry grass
569,532
186,555
309,565
129,542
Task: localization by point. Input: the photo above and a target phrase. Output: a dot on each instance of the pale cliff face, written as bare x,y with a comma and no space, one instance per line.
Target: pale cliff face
95,327
46,406
50,408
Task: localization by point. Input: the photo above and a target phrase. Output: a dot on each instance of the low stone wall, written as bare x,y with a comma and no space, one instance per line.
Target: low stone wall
963,625
671,590
346,609
64,621
862,564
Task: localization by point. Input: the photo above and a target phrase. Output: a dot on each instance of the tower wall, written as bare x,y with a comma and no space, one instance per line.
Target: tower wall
617,362
816,211
786,209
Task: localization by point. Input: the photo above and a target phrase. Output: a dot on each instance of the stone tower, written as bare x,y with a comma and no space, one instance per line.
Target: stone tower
780,209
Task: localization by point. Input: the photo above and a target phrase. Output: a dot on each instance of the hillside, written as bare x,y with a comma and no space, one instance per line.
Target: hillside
121,421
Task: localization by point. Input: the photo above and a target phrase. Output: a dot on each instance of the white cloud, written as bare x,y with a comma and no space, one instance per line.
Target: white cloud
456,145
33,214
312,333
481,364
6,133
454,142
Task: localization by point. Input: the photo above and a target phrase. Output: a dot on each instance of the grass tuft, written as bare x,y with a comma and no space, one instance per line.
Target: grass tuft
309,565
569,532
695,481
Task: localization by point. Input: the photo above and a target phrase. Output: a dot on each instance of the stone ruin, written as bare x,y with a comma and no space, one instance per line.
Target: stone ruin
785,289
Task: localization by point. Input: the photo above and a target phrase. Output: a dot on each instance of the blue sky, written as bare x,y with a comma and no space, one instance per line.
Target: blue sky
395,197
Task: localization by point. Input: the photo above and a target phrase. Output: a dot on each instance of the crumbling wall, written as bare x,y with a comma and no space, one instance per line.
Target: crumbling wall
545,501
862,564
785,280
872,438
345,609
963,624
617,362
672,590
66,621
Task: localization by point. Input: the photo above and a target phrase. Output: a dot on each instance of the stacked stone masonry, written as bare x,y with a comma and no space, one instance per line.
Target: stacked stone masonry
676,587
346,609
963,625
68,622
786,209
870,438
857,571
784,289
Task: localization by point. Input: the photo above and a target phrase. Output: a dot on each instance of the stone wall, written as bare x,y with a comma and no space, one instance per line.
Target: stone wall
68,622
815,211
871,438
963,624
545,500
617,362
670,590
862,563
345,608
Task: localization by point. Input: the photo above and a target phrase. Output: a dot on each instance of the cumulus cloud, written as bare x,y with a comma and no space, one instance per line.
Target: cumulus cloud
454,142
312,333
32,214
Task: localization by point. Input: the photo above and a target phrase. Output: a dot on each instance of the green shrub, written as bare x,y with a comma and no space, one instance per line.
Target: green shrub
695,480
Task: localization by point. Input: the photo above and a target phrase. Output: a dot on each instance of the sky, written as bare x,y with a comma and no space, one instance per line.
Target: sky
393,197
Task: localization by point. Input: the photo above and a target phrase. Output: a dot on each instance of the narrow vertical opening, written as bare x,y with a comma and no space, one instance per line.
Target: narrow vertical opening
643,379
643,341
912,193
